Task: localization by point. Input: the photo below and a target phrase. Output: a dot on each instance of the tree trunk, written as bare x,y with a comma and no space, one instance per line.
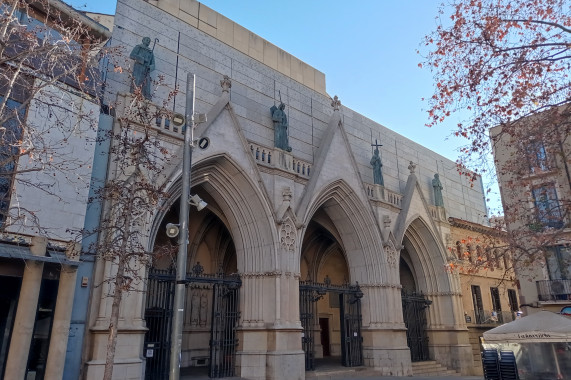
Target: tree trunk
119,283
113,321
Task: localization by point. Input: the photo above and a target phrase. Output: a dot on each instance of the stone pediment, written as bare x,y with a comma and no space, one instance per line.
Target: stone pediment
334,161
414,205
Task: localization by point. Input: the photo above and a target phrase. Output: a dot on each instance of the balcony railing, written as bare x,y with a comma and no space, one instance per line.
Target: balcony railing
554,290
277,158
380,193
489,317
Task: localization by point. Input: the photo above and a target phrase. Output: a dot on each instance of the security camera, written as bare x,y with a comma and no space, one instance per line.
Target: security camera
172,230
197,202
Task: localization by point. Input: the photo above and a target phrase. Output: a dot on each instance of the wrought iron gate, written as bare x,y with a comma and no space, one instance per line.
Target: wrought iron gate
158,315
351,328
350,316
223,290
414,307
223,341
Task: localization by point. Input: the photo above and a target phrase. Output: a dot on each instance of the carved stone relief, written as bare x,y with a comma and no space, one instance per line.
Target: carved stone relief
288,235
392,254
198,307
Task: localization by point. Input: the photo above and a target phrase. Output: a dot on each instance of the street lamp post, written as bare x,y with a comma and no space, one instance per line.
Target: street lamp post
179,292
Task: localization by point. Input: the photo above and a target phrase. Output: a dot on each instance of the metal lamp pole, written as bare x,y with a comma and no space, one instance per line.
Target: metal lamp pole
179,292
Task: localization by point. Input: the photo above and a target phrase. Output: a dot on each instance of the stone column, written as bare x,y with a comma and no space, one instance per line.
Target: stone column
269,337
384,333
62,316
26,312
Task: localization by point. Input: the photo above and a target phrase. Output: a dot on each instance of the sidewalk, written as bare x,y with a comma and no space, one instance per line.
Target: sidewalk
335,377
353,376
326,372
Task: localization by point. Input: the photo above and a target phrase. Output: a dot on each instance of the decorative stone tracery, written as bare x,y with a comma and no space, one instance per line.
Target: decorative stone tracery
392,254
288,236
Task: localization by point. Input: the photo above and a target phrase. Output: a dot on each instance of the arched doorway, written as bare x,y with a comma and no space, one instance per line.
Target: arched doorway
414,305
330,307
211,302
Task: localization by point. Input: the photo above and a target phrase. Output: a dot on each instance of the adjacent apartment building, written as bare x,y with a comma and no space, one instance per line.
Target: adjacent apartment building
489,288
532,161
49,113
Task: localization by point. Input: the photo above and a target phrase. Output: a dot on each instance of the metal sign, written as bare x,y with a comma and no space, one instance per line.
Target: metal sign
178,119
203,143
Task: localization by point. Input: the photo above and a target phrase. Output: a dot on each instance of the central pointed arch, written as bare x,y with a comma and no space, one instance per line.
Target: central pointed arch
354,227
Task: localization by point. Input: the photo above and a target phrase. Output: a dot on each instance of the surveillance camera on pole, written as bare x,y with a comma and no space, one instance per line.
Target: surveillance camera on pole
197,202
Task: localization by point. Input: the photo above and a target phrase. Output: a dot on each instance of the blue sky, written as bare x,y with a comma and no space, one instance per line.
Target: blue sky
366,48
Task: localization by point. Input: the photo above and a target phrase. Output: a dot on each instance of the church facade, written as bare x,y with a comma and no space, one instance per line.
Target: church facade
325,233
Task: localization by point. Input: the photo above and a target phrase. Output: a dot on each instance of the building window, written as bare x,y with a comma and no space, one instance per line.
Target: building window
512,298
478,304
537,157
496,305
547,206
10,135
559,263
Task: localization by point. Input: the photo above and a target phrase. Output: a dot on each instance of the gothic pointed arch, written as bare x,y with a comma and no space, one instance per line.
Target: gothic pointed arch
239,203
426,257
354,228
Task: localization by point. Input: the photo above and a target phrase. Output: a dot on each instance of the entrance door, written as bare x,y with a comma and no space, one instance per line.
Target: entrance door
349,314
352,343
223,291
223,340
324,328
414,307
42,329
10,290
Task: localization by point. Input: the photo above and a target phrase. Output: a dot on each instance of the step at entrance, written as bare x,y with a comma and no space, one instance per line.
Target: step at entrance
341,373
431,368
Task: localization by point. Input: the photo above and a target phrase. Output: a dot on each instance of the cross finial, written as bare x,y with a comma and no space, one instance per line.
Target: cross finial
411,167
376,144
335,103
226,84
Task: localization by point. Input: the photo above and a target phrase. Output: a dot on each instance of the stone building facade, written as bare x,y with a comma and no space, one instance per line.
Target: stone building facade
487,277
304,255
532,160
43,201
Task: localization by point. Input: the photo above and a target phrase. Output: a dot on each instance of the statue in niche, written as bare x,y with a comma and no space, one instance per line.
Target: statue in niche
280,127
377,169
437,186
144,63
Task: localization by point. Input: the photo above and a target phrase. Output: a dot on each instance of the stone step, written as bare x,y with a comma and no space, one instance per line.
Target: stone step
431,368
341,373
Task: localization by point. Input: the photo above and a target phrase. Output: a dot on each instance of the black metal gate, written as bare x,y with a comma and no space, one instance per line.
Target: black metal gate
225,317
223,295
349,297
158,315
414,307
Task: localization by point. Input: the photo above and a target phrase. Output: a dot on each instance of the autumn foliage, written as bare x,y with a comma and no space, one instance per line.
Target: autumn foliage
507,64
501,61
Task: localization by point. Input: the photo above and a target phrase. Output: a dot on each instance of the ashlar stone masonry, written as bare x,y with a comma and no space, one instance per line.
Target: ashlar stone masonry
288,223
